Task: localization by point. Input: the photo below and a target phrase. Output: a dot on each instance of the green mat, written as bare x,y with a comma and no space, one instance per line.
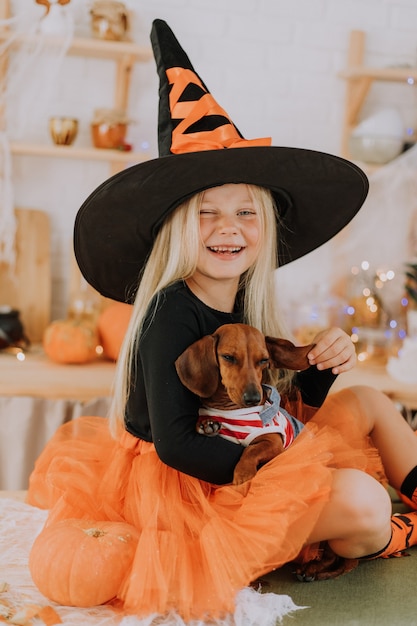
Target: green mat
377,593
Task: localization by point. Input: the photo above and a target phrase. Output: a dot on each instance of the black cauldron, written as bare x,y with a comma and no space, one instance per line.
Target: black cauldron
11,329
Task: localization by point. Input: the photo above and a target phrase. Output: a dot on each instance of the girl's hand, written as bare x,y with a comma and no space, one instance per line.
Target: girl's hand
334,349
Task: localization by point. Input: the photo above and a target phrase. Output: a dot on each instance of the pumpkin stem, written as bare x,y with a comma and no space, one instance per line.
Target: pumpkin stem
94,532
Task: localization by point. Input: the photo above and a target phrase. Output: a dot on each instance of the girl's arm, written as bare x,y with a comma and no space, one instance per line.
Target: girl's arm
332,354
172,409
314,385
333,350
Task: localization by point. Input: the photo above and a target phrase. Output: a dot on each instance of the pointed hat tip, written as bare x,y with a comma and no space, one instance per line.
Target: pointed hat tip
168,52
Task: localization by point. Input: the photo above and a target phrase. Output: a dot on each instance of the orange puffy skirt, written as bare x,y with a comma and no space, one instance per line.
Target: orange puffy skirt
199,543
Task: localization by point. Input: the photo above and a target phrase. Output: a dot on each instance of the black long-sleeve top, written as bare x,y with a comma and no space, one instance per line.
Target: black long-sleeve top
161,410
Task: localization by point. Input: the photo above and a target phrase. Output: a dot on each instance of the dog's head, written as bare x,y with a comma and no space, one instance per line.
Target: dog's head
231,362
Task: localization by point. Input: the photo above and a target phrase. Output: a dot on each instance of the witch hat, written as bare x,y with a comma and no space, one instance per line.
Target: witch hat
190,119
316,193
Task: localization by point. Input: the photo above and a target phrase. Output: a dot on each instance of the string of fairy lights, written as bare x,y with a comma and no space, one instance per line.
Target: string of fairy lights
376,328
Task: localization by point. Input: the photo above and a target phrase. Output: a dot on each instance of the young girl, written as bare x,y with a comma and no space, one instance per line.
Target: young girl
198,233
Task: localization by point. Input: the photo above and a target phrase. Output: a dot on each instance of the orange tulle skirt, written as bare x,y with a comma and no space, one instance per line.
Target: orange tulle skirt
199,543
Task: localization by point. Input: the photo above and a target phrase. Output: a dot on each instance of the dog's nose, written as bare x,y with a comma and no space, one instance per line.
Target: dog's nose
251,396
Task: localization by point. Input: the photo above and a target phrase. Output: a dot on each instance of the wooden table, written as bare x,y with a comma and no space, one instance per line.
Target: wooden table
378,377
38,377
36,397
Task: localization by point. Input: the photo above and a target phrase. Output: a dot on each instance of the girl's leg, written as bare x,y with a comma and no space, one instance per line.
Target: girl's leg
390,434
359,514
357,519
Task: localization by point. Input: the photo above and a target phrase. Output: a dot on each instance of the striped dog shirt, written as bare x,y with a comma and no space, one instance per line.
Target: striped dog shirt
242,426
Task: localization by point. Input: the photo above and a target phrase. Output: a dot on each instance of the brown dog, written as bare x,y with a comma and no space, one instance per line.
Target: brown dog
227,369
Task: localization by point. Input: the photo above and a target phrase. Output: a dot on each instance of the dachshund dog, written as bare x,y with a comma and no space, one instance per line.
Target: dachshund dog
227,371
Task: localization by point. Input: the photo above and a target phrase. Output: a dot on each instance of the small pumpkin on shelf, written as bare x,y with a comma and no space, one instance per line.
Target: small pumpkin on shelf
112,325
82,563
73,340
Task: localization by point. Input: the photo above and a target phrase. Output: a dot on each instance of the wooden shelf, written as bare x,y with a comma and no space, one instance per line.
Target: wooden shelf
123,53
90,47
72,152
359,81
115,50
390,74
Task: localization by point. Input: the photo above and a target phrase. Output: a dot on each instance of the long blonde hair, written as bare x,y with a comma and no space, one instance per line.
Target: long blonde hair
174,257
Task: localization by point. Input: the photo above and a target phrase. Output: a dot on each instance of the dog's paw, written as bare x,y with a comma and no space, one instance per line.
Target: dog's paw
208,427
243,474
328,565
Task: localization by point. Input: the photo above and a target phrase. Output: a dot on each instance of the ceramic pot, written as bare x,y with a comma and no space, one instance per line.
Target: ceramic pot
109,135
63,130
11,328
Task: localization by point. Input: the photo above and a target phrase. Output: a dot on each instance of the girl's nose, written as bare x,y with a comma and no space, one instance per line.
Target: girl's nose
228,224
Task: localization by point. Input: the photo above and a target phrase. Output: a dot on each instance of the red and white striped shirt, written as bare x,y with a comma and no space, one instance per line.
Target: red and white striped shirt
242,426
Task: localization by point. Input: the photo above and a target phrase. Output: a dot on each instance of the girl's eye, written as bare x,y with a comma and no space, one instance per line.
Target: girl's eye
245,212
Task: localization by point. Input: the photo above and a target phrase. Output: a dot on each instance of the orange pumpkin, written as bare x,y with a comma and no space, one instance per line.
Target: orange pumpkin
112,324
82,563
71,341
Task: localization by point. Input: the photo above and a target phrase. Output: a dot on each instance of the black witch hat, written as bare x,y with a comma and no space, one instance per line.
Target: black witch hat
316,194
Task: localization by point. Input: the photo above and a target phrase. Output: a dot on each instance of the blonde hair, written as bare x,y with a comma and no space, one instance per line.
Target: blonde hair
174,257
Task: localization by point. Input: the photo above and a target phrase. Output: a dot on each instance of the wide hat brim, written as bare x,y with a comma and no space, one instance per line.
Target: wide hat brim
317,194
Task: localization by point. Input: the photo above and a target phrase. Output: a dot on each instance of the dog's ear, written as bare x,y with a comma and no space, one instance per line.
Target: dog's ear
284,353
197,367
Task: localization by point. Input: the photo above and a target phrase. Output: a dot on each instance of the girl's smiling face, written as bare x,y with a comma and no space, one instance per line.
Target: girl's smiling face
230,230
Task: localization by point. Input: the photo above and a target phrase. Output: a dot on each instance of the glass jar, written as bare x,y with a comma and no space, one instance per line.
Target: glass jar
109,20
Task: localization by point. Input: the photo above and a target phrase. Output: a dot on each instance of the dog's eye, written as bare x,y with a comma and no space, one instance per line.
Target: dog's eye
229,358
264,362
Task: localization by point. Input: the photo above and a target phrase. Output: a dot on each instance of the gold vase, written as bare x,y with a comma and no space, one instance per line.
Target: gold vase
63,130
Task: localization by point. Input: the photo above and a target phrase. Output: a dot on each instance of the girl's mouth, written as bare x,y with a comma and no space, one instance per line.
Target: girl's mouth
225,249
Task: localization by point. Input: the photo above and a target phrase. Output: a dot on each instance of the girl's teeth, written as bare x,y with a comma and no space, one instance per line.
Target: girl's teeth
223,249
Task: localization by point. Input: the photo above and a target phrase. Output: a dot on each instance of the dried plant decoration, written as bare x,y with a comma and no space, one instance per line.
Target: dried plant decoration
48,4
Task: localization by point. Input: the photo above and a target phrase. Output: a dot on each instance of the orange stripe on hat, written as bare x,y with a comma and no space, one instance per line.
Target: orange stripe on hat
225,135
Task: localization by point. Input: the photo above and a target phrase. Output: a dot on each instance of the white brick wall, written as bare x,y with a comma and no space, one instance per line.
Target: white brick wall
272,64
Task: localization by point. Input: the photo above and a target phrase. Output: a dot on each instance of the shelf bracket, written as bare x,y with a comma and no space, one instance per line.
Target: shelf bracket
123,75
356,90
359,88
